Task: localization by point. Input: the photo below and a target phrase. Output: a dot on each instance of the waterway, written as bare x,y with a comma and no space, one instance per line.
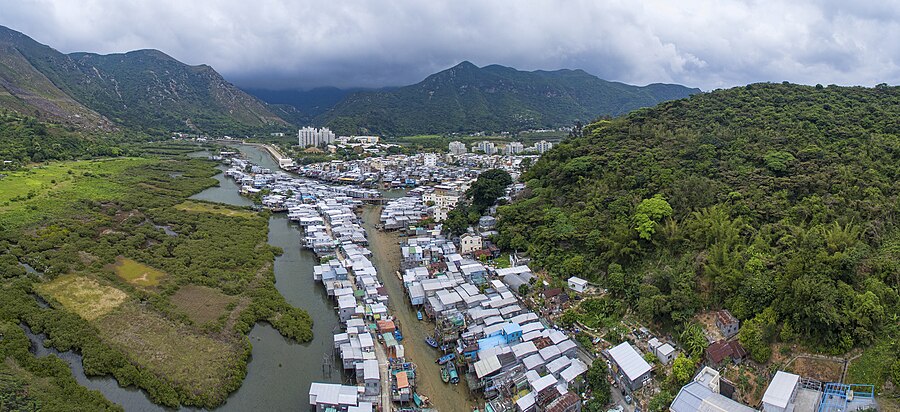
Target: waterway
280,371
386,258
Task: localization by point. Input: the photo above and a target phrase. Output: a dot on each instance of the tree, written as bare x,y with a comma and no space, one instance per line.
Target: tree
693,340
648,214
596,379
489,186
756,334
682,370
523,289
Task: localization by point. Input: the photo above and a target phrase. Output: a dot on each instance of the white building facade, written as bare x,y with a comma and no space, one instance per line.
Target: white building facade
310,136
457,148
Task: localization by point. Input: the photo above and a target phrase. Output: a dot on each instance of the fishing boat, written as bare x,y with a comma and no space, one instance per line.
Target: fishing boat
445,375
452,374
431,342
398,335
446,358
419,315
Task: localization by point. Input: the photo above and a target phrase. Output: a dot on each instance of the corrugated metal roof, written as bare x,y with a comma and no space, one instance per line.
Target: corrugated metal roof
629,360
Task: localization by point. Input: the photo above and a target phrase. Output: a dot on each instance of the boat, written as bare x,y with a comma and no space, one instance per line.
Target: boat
398,335
419,314
446,358
445,375
420,400
452,374
431,342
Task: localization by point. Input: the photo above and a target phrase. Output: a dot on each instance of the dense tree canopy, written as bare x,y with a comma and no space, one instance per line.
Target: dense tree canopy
754,198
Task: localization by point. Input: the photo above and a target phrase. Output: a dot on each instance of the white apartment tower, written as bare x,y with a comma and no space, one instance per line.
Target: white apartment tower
513,148
457,148
542,146
310,136
487,147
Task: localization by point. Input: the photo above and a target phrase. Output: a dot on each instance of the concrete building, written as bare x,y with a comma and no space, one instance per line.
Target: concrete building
469,243
513,148
577,284
663,351
310,136
702,394
779,396
543,146
429,159
487,147
632,371
727,323
457,148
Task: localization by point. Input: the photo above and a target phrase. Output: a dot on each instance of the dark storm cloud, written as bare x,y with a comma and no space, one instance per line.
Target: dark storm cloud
274,43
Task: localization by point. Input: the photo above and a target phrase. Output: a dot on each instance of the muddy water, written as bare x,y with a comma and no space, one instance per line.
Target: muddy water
280,371
386,258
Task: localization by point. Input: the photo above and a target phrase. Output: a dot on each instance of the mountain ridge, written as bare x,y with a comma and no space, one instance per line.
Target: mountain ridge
468,98
142,89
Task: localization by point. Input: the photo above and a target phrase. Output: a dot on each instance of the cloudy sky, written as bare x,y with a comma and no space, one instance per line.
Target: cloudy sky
347,43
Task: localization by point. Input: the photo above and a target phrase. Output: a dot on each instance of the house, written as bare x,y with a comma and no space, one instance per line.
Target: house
486,223
719,351
632,371
663,351
577,284
727,323
332,396
371,377
469,243
702,394
779,396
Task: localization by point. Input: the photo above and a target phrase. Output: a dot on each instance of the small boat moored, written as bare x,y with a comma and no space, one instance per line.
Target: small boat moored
446,358
419,315
431,342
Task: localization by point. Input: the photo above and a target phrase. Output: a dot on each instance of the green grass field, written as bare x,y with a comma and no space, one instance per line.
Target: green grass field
137,273
37,193
874,366
198,207
83,295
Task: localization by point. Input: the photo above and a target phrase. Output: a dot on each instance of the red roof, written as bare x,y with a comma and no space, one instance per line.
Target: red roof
563,403
722,349
549,293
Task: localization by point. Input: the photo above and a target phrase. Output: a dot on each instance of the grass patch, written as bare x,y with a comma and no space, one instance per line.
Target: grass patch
200,303
874,366
137,273
198,207
196,362
83,295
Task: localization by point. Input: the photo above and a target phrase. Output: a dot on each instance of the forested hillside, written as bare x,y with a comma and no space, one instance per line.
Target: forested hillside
144,89
467,98
776,201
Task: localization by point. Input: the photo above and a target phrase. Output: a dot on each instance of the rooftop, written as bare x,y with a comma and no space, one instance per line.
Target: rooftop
629,360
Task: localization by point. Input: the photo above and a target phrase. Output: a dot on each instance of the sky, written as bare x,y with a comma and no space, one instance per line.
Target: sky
283,44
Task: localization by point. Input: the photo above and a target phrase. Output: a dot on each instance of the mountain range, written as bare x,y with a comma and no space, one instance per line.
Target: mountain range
143,89
148,90
467,98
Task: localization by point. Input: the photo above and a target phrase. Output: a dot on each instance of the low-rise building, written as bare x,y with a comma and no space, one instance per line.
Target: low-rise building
632,371
727,323
577,284
469,243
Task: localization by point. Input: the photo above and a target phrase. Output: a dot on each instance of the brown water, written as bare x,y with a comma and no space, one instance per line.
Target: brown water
386,258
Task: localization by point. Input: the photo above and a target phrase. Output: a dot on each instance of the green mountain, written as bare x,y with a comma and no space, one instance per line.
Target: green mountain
466,98
779,202
143,89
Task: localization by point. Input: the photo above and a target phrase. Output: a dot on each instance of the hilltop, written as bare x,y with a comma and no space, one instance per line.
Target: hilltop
467,98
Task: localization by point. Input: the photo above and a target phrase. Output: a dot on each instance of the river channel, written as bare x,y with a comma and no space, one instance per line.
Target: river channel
280,371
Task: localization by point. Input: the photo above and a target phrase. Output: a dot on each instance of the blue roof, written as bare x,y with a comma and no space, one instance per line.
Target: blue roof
490,342
511,328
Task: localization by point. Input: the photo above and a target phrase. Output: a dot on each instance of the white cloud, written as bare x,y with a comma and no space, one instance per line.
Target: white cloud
704,43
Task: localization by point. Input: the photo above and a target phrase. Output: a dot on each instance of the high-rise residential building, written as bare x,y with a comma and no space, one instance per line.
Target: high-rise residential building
429,159
486,147
310,136
513,148
457,148
543,146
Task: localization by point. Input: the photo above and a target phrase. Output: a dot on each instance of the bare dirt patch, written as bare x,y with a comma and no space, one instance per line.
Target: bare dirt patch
83,295
708,320
202,304
822,370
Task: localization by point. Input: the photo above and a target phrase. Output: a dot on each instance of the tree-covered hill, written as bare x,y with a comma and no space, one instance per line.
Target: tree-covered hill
143,89
776,201
466,98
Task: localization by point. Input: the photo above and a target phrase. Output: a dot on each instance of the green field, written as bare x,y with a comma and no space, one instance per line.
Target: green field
34,194
137,273
83,295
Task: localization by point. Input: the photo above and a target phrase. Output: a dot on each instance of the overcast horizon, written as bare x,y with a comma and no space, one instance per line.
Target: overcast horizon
278,44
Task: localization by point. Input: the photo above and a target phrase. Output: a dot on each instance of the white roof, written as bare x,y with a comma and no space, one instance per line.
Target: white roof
779,392
370,369
576,368
631,362
543,383
487,366
578,281
666,349
526,402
